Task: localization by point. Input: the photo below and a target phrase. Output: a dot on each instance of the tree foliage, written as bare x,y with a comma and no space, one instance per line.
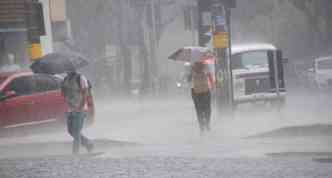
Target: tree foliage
301,27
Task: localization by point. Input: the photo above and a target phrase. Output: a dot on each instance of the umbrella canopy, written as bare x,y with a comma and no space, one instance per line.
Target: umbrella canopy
190,54
57,63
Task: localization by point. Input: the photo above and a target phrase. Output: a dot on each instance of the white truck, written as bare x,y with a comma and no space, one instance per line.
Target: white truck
256,68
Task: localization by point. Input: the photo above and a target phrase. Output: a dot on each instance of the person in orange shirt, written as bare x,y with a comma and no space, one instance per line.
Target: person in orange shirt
202,85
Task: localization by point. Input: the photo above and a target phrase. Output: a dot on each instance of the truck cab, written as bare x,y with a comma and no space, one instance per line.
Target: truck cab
257,71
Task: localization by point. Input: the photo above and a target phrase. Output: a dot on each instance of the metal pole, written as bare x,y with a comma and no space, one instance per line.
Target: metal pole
230,73
153,46
153,21
192,19
224,86
275,65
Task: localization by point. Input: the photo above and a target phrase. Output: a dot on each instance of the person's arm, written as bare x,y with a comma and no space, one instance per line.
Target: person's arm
84,92
212,80
62,88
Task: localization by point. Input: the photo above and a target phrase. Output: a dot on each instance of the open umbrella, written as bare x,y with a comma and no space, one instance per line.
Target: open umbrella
190,54
57,63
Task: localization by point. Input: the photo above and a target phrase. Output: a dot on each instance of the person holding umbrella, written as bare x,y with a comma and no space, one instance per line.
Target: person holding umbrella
75,88
202,78
202,83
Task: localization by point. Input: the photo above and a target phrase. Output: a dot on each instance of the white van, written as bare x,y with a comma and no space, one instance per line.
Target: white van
254,74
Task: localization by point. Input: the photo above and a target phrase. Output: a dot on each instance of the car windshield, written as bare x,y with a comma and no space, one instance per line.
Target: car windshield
250,60
325,64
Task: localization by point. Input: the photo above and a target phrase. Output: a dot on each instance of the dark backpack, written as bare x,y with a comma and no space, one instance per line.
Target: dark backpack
77,78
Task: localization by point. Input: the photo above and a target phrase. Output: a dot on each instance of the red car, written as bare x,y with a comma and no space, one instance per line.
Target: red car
29,99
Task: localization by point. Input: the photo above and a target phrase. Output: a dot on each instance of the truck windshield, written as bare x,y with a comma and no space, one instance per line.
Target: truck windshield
325,64
250,59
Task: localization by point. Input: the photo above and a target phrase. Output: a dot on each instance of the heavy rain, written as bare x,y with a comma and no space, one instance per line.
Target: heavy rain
165,88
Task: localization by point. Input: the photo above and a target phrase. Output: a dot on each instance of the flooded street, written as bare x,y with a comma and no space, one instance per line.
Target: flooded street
146,74
154,138
164,167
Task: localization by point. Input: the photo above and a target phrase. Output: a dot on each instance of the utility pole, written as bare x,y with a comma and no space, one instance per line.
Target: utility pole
193,4
221,44
124,48
153,44
215,15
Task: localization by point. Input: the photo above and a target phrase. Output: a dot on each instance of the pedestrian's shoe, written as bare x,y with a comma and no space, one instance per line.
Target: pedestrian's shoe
90,147
76,148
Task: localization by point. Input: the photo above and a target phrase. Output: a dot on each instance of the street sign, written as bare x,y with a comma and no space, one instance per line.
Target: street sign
220,20
35,51
220,40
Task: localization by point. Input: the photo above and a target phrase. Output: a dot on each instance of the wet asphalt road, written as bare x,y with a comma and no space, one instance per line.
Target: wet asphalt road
179,167
161,139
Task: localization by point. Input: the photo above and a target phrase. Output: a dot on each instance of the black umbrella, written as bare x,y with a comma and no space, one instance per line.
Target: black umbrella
57,63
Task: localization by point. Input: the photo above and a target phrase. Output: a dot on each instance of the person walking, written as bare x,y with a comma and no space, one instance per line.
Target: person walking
75,89
202,83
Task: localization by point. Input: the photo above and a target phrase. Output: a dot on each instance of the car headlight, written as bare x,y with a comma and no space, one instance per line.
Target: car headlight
178,84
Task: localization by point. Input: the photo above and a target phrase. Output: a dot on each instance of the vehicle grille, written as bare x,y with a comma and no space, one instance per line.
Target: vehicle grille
257,86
